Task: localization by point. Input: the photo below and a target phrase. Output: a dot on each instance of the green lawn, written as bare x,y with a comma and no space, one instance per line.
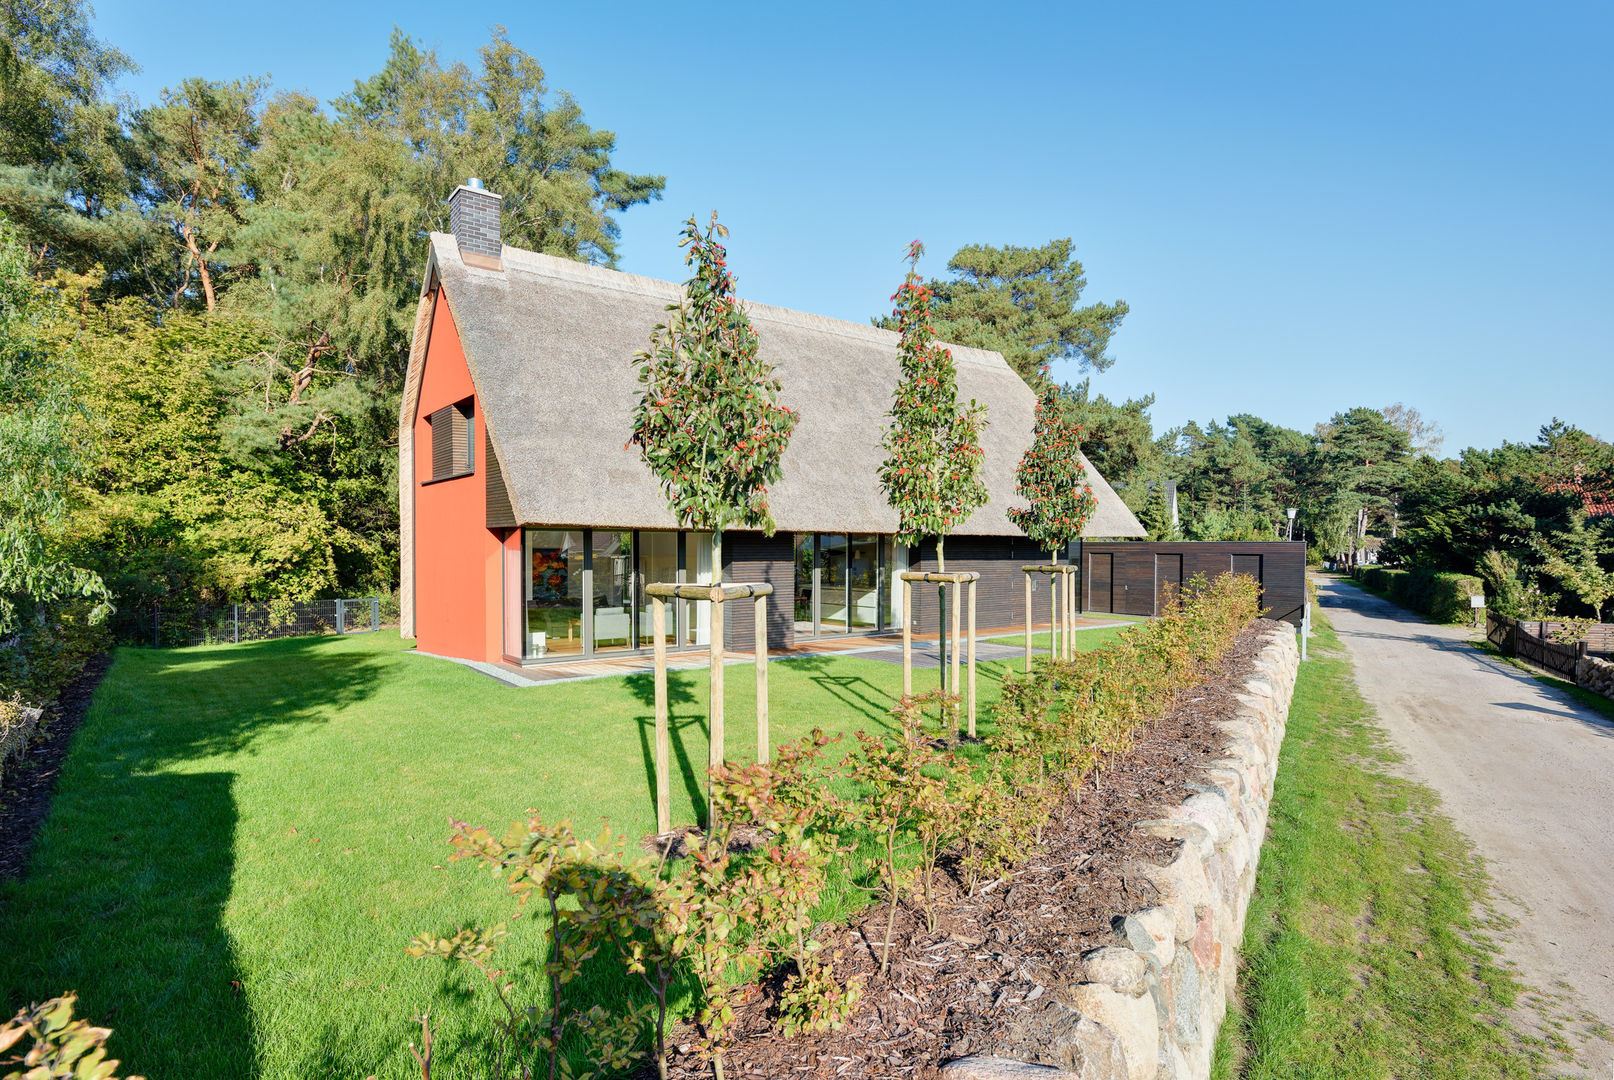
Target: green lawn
245,838
1366,952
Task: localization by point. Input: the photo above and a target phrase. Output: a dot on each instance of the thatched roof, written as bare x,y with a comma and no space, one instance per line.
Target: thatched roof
551,343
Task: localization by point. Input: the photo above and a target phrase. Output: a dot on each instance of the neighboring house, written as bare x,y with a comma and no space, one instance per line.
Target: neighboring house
530,527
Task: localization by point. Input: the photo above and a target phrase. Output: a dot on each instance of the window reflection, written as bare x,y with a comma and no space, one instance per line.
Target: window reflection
613,589
552,592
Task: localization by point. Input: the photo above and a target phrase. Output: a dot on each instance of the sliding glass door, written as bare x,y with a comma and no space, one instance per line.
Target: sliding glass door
844,583
658,564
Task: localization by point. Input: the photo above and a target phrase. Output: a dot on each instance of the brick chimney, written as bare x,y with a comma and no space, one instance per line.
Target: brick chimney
473,218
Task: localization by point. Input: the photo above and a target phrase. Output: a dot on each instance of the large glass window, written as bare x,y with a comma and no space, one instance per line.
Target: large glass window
552,592
804,584
833,617
658,565
863,581
613,589
895,562
696,626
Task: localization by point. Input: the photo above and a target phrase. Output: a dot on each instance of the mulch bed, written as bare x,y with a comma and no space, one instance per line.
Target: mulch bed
1000,956
25,797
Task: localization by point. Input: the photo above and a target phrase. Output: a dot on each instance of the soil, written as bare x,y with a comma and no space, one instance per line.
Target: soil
998,958
25,798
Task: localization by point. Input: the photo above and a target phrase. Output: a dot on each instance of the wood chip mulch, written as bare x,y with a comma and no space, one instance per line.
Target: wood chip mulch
29,784
1003,954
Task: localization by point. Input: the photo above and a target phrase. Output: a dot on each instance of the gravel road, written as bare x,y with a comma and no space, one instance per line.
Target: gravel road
1525,772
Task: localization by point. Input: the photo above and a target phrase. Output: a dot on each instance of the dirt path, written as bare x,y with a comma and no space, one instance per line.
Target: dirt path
1526,773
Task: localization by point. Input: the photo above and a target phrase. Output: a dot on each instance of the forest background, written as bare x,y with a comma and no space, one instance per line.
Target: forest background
206,300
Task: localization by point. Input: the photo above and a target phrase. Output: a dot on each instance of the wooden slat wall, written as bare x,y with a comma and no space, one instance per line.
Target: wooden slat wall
1280,567
750,558
1097,576
451,441
442,442
501,515
1000,599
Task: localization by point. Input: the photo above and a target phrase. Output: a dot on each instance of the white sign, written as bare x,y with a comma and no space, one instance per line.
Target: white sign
1476,601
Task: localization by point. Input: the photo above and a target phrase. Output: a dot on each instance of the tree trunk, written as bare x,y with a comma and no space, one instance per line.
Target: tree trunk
201,264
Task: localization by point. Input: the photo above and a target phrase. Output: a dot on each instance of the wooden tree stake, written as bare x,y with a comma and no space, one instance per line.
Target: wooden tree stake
907,638
761,608
1028,624
658,627
956,687
972,658
714,755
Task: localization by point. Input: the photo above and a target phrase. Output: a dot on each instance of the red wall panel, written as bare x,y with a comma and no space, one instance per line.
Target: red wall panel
457,558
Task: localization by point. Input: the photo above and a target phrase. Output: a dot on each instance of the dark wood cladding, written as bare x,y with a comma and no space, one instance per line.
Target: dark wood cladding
501,515
452,429
1000,598
1127,577
750,558
442,422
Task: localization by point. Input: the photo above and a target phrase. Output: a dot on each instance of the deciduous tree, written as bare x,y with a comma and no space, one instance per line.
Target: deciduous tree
1051,477
932,471
709,422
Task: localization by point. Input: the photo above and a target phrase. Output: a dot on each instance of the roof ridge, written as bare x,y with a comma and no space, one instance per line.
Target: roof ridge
554,266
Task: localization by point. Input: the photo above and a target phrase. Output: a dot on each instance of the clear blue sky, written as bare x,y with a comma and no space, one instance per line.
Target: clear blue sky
1308,206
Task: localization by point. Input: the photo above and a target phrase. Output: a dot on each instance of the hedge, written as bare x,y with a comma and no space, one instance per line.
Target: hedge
1441,596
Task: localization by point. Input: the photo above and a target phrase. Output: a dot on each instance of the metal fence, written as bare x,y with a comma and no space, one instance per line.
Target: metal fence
175,627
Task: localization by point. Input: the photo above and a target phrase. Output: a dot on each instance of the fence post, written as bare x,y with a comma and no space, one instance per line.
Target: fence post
236,619
341,616
375,613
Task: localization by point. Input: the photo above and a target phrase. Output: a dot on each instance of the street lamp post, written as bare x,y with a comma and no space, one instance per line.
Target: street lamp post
1290,535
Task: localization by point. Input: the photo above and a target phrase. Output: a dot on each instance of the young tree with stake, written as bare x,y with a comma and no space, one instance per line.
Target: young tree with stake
1052,479
710,426
932,470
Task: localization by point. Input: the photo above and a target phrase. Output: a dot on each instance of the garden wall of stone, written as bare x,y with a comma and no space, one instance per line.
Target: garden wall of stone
1156,998
1595,675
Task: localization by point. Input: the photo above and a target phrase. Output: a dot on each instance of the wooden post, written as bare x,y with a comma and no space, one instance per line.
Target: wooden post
907,638
714,755
658,627
1028,623
972,659
954,659
1068,583
762,679
1054,639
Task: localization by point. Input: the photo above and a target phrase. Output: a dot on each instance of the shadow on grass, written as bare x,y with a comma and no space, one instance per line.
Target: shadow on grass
268,686
129,914
685,720
124,896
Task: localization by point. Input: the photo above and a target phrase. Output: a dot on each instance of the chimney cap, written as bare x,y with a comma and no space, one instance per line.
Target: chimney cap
474,183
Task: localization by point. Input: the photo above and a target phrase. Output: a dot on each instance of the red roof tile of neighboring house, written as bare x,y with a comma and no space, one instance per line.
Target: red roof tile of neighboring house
1596,503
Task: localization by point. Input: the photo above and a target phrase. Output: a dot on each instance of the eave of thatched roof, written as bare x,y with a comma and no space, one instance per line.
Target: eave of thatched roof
551,342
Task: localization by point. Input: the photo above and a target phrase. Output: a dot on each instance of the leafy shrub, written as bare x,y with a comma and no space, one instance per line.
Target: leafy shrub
1438,594
49,652
60,1048
730,914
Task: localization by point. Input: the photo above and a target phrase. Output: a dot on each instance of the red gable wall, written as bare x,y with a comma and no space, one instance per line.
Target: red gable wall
456,556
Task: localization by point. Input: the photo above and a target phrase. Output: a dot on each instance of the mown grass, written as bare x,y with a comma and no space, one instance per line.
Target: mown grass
1365,952
245,838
